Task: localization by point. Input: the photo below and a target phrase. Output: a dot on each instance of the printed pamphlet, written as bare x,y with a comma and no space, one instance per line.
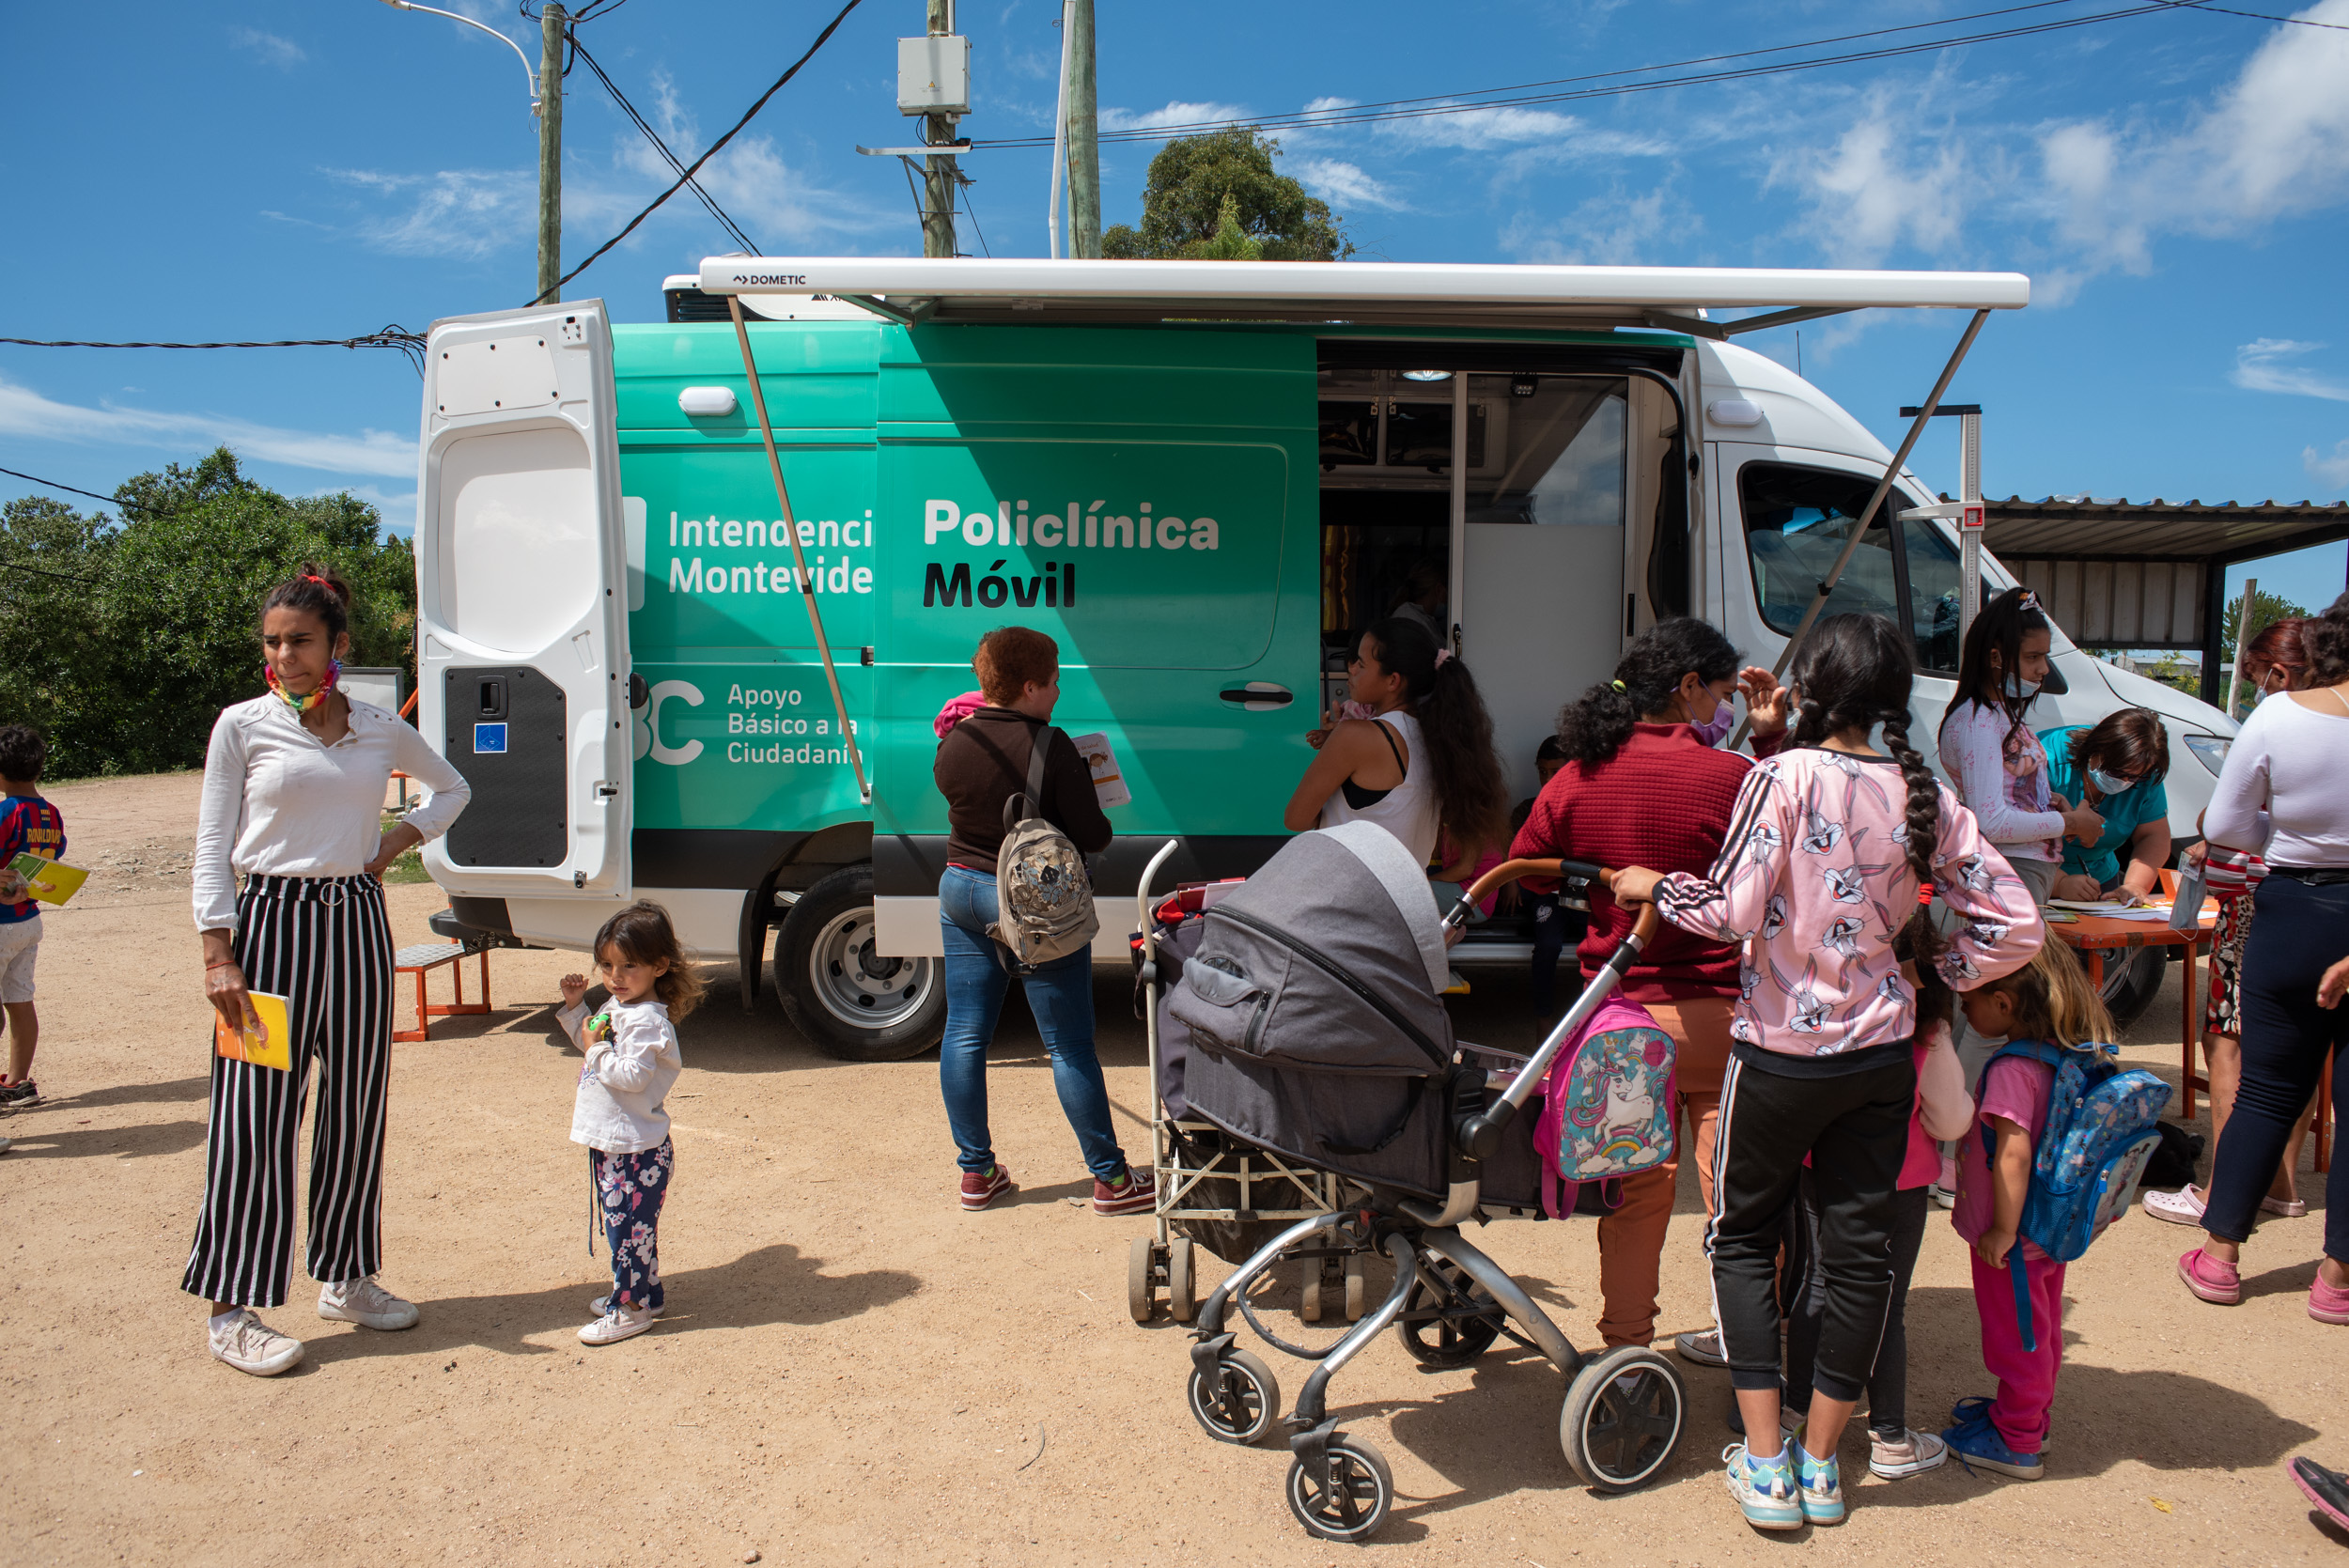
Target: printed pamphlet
1109,786
270,1045
50,881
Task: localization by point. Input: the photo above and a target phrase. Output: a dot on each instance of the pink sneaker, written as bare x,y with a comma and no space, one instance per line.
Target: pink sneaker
1137,1194
2211,1279
2327,1304
980,1189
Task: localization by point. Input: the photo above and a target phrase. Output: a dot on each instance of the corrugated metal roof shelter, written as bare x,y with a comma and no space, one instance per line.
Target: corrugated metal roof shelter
2147,574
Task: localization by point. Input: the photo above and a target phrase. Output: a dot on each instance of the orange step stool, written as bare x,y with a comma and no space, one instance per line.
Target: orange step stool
421,960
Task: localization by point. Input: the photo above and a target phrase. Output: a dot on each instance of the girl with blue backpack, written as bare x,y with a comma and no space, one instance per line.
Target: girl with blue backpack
2050,1017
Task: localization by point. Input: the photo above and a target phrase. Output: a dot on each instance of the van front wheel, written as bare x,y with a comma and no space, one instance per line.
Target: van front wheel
852,1002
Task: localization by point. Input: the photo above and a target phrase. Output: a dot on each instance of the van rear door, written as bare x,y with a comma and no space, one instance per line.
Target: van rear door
522,661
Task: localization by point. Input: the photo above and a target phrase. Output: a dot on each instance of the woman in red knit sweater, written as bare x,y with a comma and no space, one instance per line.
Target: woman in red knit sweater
1646,786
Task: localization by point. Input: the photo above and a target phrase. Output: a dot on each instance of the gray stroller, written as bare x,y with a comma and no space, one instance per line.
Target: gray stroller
1311,1027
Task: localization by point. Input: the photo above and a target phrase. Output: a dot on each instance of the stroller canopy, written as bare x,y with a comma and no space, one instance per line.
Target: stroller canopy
1331,958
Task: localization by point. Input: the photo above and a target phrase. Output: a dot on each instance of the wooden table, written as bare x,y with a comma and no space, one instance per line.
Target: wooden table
2093,936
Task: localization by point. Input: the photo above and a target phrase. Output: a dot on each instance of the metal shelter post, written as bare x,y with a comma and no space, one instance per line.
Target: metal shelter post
1969,523
799,558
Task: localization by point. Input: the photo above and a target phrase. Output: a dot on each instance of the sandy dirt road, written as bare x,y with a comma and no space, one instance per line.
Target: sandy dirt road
853,1370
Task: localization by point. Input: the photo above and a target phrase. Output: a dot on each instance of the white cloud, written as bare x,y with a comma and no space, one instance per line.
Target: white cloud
1175,113
1480,129
2333,469
1345,183
462,213
1883,183
1614,229
26,412
2259,366
271,50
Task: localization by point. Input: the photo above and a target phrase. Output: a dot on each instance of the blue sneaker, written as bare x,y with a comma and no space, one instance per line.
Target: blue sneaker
1765,1488
1820,1487
1966,1412
1978,1446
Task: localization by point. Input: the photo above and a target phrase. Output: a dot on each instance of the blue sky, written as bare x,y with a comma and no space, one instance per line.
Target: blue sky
2177,185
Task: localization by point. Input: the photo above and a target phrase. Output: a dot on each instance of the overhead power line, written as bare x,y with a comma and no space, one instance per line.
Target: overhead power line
392,336
1605,82
662,148
76,489
821,39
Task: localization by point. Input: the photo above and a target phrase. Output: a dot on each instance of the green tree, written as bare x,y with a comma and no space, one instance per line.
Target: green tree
1218,197
2266,610
125,668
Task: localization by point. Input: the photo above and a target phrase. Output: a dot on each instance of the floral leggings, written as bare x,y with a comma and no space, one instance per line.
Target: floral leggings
627,1191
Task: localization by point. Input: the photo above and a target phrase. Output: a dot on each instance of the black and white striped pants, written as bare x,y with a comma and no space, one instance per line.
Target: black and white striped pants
324,943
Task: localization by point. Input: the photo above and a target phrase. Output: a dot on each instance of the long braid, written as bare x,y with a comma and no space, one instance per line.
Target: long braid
1924,795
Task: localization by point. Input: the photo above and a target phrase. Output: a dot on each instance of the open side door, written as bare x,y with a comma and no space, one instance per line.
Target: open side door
523,660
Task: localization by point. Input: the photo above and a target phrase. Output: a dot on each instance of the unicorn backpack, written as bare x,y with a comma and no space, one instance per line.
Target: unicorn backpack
1607,1111
2102,1127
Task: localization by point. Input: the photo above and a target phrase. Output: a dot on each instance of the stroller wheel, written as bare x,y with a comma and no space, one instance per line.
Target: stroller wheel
1181,1298
1349,1500
1141,1289
1451,1329
1237,1402
1624,1415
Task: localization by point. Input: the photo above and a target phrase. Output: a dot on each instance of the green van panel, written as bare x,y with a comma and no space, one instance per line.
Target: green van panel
816,375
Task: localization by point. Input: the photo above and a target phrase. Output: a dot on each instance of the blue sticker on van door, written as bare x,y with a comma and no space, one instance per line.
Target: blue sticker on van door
489,739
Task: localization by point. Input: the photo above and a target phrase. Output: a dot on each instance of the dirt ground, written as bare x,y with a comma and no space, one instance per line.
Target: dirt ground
854,1371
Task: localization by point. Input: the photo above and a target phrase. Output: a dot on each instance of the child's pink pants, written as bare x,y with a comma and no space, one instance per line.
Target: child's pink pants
2027,1378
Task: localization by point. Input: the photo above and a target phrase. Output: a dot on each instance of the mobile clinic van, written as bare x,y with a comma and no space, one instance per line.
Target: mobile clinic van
1198,476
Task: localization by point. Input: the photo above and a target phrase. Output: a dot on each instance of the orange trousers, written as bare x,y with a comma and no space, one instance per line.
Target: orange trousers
1631,1239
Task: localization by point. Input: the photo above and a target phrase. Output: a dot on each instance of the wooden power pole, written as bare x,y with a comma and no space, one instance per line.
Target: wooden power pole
551,154
939,174
1085,148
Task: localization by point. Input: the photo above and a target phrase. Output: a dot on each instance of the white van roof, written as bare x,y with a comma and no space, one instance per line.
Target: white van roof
1417,293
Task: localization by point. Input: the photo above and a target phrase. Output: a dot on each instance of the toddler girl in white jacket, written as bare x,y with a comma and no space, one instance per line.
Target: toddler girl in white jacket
621,1114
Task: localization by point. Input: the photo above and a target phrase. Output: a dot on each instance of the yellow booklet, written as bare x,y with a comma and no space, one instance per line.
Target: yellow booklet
51,881
270,1045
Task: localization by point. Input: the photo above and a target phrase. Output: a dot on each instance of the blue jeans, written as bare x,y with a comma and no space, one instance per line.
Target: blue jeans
1060,994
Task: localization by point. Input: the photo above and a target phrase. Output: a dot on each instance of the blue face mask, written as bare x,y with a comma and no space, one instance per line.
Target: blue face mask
2021,690
2108,785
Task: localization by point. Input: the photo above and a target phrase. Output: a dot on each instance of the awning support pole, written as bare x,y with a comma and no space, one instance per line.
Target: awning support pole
799,558
1875,504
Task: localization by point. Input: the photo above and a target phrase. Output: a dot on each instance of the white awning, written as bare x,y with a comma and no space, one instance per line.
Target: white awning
1601,298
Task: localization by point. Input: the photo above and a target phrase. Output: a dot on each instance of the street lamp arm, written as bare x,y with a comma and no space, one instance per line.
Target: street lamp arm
435,10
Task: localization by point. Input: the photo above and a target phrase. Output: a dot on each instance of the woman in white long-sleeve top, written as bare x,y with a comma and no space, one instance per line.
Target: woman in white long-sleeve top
293,798
2281,787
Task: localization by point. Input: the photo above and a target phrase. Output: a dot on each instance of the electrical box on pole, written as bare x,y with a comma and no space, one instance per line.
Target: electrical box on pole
934,76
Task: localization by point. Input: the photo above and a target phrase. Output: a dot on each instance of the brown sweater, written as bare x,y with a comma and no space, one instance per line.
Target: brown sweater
983,762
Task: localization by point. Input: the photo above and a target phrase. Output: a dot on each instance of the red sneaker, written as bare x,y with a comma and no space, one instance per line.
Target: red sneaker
1137,1194
978,1190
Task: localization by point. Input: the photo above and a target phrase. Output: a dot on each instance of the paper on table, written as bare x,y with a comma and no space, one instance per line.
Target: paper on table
270,1045
1109,784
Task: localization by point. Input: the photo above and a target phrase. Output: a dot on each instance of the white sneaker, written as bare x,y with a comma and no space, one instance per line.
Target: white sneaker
251,1345
366,1303
1703,1346
621,1323
602,1304
1915,1453
2180,1207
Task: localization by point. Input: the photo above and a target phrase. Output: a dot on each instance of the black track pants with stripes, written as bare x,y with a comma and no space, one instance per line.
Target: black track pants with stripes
1854,1130
325,945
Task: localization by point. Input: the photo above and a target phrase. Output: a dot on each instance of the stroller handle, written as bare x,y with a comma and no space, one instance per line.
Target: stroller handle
1480,1133
1511,871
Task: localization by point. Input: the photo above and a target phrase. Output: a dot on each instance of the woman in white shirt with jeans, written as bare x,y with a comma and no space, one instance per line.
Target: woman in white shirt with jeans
293,794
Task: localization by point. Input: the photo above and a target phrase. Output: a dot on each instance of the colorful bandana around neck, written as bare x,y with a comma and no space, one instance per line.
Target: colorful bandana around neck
304,704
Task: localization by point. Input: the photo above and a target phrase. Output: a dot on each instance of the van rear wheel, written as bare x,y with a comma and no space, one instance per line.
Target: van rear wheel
852,1003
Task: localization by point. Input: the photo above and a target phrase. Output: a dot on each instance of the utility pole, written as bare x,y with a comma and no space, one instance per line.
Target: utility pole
550,153
1085,148
938,173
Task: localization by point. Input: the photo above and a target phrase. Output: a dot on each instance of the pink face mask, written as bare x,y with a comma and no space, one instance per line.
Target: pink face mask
1716,729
